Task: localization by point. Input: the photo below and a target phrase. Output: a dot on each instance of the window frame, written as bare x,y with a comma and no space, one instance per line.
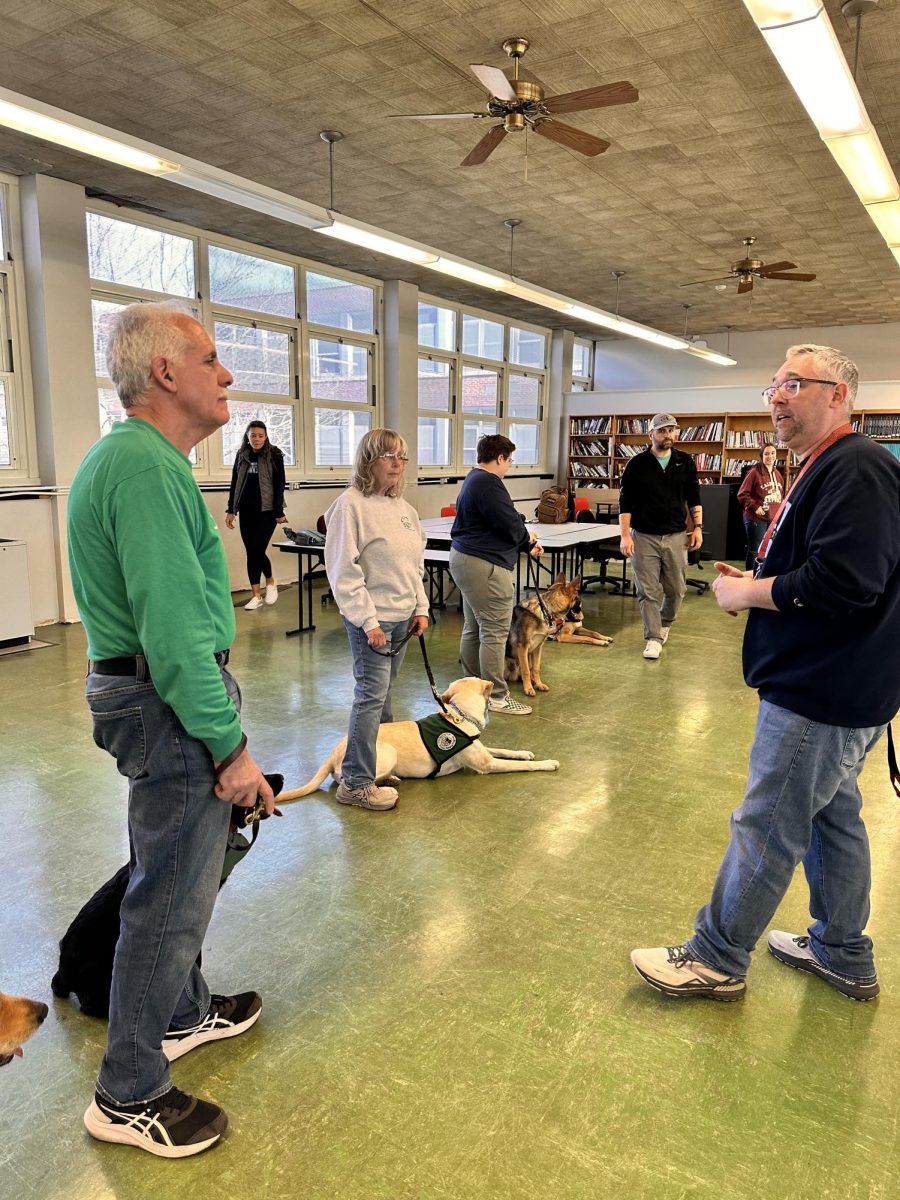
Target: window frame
585,383
503,367
15,353
210,452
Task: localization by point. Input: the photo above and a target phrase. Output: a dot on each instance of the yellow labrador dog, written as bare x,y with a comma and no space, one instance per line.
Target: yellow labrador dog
439,745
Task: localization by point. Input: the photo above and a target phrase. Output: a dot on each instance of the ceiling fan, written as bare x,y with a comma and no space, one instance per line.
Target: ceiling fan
520,104
747,269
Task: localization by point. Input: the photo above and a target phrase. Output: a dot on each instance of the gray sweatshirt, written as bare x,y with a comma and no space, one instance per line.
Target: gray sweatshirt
374,552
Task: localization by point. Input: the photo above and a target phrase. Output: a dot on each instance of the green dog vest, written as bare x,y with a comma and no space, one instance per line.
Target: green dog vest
442,739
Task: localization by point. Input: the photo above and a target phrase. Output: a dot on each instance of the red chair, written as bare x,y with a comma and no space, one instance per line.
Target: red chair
449,510
582,504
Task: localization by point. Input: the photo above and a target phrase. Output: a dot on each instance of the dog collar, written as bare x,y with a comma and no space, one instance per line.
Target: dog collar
479,725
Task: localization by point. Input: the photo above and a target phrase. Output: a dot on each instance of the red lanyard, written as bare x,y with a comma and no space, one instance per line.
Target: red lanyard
841,431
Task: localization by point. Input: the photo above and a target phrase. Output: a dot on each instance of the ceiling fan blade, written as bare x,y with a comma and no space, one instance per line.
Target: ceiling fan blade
485,147
494,80
715,279
594,97
784,275
779,266
574,139
434,116
745,287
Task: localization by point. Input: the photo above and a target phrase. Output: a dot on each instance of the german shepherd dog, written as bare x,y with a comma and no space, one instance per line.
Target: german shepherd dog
573,630
532,623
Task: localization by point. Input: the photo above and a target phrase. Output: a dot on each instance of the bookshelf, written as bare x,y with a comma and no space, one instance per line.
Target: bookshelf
721,443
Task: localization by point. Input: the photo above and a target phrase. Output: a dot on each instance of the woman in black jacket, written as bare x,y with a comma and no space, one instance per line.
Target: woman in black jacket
257,494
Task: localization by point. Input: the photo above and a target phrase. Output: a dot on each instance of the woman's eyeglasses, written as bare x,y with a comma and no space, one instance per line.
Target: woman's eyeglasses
400,458
791,387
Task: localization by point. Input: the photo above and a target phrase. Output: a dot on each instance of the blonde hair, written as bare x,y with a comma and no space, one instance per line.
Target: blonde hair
831,363
371,447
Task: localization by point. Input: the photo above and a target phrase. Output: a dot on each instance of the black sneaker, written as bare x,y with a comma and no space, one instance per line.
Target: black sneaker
173,1125
227,1017
794,951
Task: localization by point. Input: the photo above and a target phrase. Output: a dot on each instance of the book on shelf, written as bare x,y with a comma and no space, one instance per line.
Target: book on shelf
634,425
713,431
623,451
708,462
886,426
734,468
748,439
580,447
582,470
582,425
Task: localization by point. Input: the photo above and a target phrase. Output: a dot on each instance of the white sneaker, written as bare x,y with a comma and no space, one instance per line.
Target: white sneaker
664,636
672,970
271,593
255,603
507,705
652,649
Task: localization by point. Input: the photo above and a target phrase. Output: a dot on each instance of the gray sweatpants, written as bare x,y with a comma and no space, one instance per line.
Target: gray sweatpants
488,595
659,567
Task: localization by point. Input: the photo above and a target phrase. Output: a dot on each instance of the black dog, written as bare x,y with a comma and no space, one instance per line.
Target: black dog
88,946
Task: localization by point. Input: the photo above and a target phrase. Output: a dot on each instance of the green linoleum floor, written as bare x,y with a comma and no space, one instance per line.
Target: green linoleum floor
449,1009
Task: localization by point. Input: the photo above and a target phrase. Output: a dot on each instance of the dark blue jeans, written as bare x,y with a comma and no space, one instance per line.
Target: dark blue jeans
755,532
177,830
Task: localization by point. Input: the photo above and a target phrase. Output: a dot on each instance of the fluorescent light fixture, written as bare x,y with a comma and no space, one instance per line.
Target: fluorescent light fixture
812,59
895,250
782,12
595,316
634,329
471,273
713,356
539,295
358,234
887,218
52,125
222,185
862,159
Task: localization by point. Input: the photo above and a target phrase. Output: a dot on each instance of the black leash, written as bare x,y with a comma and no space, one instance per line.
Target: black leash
428,670
537,589
892,761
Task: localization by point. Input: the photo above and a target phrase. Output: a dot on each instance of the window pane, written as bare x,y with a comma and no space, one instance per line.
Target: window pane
434,384
339,371
248,282
526,347
102,311
581,360
482,338
279,421
434,442
259,359
5,452
527,440
111,410
339,303
524,396
338,432
479,390
472,431
437,327
146,258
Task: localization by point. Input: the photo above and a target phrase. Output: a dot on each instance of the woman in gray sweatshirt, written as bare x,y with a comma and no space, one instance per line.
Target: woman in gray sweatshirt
374,551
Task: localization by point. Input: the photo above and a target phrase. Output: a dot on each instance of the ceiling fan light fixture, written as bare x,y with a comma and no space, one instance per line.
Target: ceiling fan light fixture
812,59
887,219
64,129
862,158
358,234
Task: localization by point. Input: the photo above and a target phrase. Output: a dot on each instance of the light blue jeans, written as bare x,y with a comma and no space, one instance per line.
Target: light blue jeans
802,805
177,830
374,673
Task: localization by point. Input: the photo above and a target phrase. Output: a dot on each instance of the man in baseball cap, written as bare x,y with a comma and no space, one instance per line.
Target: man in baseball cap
658,487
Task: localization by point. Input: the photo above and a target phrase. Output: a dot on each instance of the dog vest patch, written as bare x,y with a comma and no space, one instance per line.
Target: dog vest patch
442,739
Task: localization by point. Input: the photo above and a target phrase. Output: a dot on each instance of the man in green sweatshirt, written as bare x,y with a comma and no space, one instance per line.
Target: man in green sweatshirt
152,587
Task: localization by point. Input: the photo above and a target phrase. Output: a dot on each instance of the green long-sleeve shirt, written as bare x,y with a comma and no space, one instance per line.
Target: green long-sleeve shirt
150,575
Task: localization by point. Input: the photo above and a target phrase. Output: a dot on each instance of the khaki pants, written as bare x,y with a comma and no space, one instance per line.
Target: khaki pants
659,567
488,595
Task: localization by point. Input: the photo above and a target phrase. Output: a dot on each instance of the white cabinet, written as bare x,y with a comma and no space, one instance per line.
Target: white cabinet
16,621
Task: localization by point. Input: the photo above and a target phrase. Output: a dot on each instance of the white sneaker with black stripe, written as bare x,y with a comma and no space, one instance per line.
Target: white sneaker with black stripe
227,1017
674,971
173,1125
794,950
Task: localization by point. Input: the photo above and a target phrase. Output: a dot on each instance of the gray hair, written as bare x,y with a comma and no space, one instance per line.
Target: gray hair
375,443
137,335
831,364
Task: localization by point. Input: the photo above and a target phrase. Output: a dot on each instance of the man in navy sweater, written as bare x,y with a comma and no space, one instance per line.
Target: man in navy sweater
486,540
822,647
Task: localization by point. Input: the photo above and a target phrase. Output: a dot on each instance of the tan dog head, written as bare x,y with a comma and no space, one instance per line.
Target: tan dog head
19,1019
471,695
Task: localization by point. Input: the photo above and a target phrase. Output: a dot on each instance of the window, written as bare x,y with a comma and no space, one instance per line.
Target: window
315,388
17,455
467,391
582,365
257,284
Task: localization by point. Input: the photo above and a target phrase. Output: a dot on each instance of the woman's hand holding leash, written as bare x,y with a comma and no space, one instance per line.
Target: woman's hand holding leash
536,550
418,625
376,637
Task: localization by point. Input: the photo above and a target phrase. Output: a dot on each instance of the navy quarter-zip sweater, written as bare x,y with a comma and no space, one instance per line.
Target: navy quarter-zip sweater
832,650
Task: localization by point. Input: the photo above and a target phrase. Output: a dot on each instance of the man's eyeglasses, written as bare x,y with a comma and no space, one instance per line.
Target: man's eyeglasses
791,387
400,458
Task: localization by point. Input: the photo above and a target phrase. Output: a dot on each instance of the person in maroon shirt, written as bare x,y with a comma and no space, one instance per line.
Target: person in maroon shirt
760,496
